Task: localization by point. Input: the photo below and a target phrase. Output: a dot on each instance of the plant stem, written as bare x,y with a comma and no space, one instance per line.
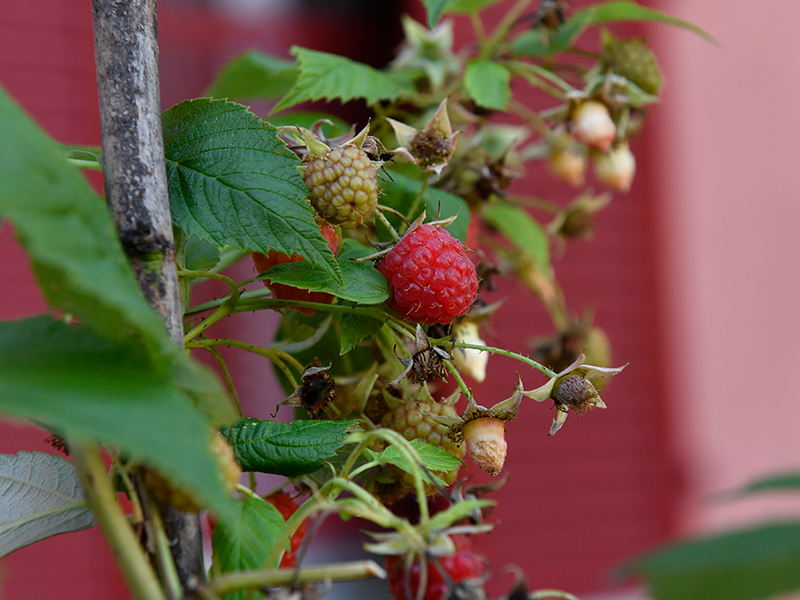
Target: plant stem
385,222
459,380
503,27
541,594
418,200
501,351
231,582
131,558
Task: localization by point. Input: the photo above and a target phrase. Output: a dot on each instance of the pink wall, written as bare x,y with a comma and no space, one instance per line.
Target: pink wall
729,215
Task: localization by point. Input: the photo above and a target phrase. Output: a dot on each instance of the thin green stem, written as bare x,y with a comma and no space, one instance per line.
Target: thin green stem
164,560
520,357
88,165
541,594
129,555
477,27
410,215
533,118
225,309
503,27
276,356
231,582
364,467
212,304
459,380
385,222
226,374
242,489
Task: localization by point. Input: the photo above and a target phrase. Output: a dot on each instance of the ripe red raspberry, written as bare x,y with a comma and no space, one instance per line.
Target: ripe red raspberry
430,276
287,292
465,564
343,185
287,507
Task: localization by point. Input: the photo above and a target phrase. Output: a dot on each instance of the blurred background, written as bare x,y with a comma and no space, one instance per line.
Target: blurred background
691,274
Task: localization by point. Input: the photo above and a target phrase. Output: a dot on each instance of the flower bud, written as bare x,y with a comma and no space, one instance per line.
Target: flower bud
469,360
617,168
568,163
593,126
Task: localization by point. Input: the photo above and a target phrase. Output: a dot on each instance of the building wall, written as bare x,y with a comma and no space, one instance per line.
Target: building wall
729,212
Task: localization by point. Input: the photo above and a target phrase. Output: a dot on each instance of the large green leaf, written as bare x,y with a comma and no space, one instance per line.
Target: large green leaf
40,496
625,10
467,6
541,42
400,195
518,227
544,42
73,381
488,83
289,449
362,282
254,74
785,482
434,9
433,457
69,235
744,565
356,328
232,181
244,541
332,77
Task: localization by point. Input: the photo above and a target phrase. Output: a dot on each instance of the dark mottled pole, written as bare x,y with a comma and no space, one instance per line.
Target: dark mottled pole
126,55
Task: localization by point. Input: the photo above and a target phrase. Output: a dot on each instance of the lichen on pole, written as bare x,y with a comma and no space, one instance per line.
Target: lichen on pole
126,57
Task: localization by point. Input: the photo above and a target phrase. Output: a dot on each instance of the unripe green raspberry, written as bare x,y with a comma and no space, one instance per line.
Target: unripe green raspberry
165,493
635,61
411,421
343,185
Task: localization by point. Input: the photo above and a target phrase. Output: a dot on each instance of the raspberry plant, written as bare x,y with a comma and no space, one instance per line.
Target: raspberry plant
363,239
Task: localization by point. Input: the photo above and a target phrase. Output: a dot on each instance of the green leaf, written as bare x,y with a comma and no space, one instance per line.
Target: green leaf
456,513
332,77
545,42
200,255
785,482
305,118
289,449
254,74
71,380
69,235
362,281
245,541
488,83
232,181
468,6
434,10
518,227
744,565
356,328
40,496
400,195
433,457
351,248
625,10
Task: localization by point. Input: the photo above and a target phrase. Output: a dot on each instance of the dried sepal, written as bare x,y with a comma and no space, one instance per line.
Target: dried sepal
316,392
430,147
578,393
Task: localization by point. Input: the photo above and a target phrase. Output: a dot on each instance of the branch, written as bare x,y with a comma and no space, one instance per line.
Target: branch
126,56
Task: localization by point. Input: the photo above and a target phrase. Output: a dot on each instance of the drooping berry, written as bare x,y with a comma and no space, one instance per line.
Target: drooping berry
430,276
592,125
465,568
287,507
343,185
617,168
287,292
486,442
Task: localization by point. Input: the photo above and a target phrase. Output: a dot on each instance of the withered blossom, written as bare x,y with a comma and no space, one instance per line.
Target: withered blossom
430,147
572,389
